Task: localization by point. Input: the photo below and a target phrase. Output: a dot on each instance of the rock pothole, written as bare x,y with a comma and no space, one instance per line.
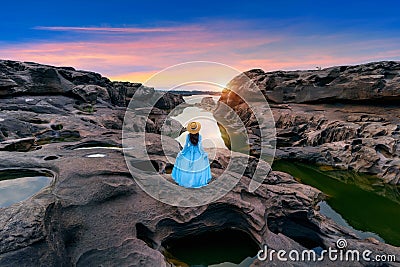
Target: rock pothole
205,240
298,227
48,158
20,184
212,247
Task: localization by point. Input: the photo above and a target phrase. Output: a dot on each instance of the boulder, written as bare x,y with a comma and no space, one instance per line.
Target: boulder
376,81
336,116
20,145
207,101
89,93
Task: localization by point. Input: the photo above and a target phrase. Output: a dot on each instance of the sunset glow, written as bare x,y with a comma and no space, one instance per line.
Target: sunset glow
134,53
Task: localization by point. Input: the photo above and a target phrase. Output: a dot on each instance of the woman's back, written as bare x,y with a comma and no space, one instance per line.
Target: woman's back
191,151
192,168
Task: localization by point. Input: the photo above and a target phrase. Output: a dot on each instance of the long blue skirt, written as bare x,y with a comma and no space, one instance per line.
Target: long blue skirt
192,168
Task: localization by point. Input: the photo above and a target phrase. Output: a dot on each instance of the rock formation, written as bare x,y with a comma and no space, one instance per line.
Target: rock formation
377,81
346,117
94,213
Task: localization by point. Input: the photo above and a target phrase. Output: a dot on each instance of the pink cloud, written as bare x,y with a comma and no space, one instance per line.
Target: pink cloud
126,54
135,57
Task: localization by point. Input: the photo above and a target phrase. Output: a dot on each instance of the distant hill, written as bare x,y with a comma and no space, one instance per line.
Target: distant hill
194,92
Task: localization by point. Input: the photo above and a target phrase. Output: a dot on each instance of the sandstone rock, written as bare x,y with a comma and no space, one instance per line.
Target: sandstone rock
372,81
21,145
169,101
89,93
122,92
95,213
12,128
19,78
328,127
207,101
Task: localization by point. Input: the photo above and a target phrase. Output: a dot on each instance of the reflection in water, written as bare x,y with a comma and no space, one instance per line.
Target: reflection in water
193,99
99,147
15,190
245,263
359,204
327,211
209,127
96,155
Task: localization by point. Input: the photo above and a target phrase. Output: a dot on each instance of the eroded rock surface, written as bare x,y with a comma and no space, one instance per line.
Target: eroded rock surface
376,81
32,79
347,117
94,213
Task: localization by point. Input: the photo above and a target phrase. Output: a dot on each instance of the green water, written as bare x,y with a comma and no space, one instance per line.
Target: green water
364,202
224,248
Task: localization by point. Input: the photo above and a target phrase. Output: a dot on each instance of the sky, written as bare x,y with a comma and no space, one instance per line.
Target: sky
131,40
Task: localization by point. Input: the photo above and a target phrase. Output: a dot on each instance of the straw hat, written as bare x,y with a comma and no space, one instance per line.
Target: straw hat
193,127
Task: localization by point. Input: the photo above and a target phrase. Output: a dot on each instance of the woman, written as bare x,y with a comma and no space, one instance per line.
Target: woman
192,168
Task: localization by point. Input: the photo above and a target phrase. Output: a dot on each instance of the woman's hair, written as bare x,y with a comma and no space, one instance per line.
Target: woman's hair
194,138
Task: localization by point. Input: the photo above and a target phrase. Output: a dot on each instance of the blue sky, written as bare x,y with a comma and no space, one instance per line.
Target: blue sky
130,40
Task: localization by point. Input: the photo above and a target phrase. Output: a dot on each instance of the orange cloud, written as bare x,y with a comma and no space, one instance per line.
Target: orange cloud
122,56
135,54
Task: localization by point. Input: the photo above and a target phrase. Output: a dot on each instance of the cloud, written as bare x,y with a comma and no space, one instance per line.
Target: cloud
127,30
135,53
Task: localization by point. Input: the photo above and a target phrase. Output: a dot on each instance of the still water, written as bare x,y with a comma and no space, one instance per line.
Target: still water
13,190
209,128
356,201
215,134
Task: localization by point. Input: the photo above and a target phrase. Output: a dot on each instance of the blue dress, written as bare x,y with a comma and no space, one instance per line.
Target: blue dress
192,168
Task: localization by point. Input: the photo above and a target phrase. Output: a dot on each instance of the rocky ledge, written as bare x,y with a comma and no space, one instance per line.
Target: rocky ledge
67,124
94,213
52,104
347,117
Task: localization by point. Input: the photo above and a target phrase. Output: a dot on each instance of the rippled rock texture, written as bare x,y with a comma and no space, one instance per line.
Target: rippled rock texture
94,213
68,123
346,117
377,81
